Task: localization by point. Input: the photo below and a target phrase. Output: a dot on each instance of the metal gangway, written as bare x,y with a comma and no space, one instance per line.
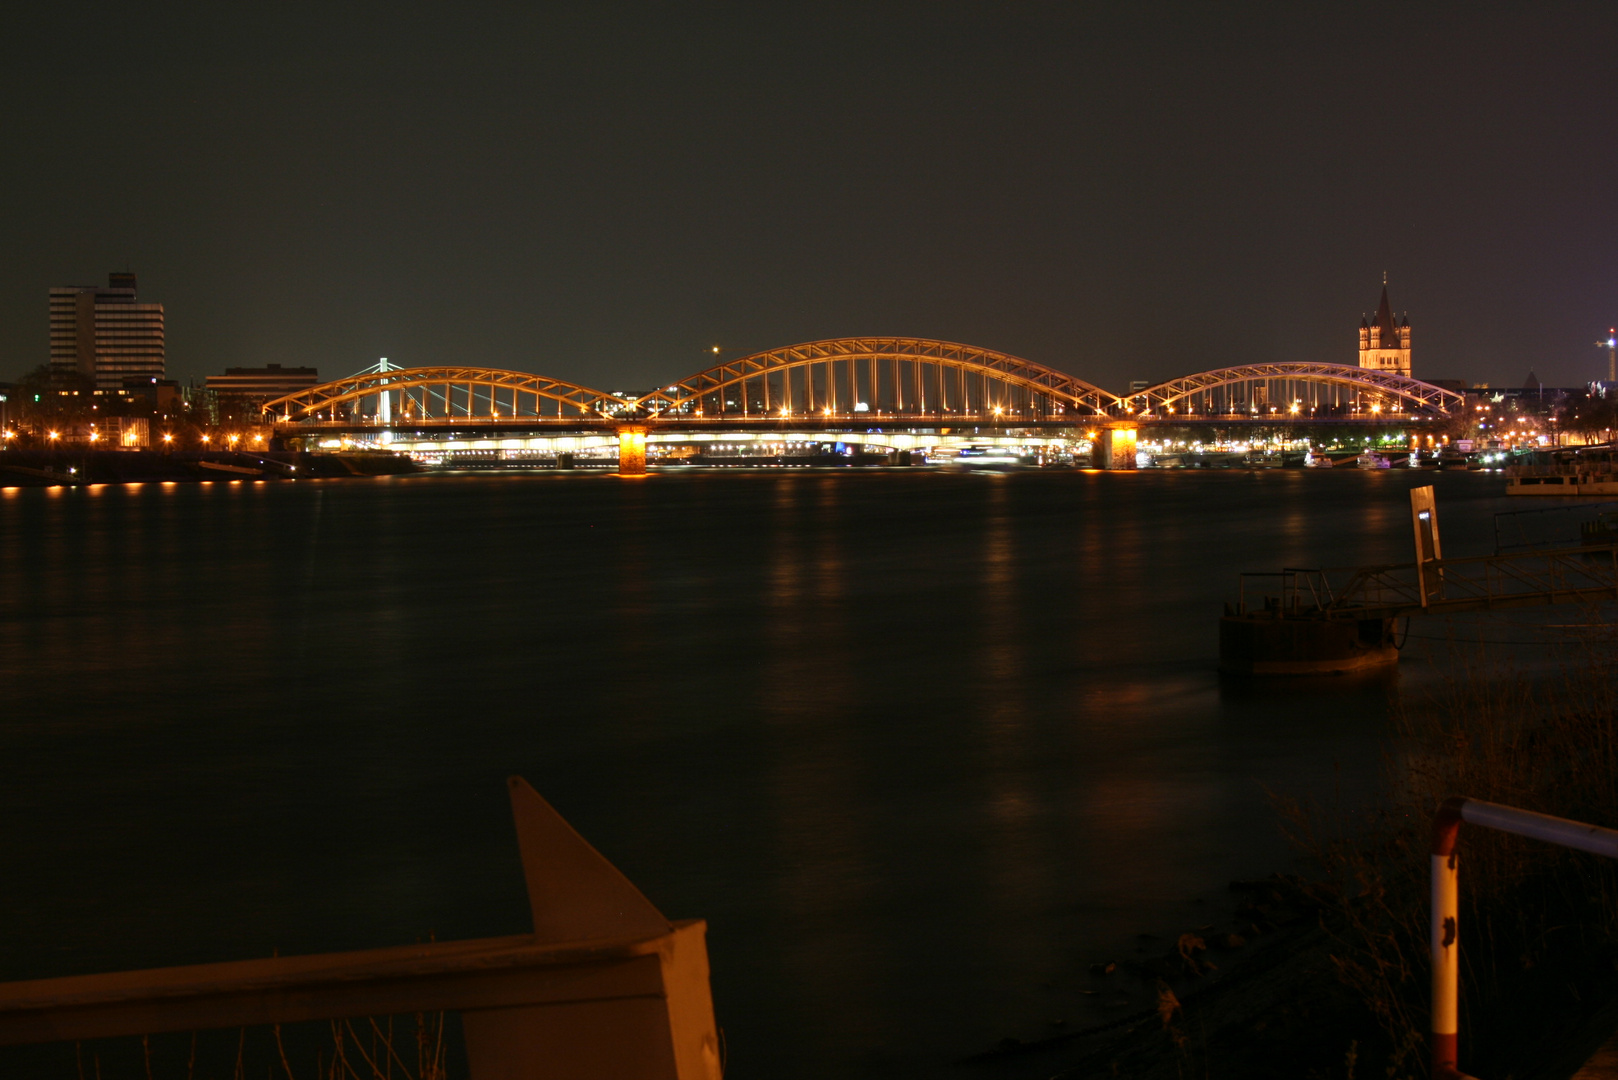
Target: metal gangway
1441,586
1433,585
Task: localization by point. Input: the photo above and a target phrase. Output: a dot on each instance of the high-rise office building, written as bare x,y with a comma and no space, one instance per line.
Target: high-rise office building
105,335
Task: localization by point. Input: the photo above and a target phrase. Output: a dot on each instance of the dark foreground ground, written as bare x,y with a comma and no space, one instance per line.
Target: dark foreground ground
1262,998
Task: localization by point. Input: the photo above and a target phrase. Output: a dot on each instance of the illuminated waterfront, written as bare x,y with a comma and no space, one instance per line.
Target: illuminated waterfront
920,747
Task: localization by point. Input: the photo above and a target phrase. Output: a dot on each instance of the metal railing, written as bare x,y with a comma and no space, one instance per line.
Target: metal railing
1300,590
1541,513
1446,900
872,418
605,988
1478,582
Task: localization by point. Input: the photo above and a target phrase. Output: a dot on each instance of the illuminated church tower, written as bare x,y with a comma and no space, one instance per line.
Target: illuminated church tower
1385,341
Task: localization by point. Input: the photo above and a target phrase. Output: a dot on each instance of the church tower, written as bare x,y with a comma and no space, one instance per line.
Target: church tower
1385,341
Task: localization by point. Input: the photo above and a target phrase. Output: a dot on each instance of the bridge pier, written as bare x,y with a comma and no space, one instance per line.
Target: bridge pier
632,450
1114,446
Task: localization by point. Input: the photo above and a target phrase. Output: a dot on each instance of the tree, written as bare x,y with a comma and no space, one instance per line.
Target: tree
51,400
1592,415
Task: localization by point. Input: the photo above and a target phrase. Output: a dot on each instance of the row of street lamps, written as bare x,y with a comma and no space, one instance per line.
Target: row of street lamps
230,440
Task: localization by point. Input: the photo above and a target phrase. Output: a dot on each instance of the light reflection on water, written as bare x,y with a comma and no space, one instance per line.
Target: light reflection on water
920,747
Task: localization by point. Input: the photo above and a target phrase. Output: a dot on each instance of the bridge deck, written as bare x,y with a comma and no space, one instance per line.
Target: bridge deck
735,422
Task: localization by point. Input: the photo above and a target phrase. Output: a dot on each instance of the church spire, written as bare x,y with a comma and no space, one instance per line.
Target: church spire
1385,338
1384,319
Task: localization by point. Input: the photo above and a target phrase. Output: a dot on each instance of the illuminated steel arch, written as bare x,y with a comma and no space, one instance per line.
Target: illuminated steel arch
1380,385
892,375
448,393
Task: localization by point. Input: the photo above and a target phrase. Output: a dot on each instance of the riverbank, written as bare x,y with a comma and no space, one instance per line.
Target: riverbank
1280,1007
73,466
1328,975
1256,995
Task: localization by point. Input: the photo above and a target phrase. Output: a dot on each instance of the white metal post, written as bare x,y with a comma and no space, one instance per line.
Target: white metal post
1446,944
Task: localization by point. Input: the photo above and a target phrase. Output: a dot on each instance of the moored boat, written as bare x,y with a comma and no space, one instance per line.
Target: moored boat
984,457
1583,473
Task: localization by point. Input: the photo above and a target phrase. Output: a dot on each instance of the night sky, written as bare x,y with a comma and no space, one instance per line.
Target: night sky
603,192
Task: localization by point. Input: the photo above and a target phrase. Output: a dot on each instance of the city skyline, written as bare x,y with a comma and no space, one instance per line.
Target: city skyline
606,196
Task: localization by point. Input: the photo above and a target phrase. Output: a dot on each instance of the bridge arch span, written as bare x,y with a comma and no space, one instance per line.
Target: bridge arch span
915,376
1380,386
446,392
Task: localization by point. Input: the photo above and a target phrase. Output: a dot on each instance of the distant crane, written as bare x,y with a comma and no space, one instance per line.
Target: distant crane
1611,345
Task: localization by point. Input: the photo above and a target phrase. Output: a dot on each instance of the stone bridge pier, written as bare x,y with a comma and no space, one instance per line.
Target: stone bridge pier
1114,446
632,450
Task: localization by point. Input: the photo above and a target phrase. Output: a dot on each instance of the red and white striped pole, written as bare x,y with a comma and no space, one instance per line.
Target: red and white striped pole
1446,943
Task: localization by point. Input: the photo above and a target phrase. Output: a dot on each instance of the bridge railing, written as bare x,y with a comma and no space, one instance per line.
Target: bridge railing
700,419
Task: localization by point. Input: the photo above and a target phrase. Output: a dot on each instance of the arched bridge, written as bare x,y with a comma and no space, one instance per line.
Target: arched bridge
889,375
859,380
1292,388
446,393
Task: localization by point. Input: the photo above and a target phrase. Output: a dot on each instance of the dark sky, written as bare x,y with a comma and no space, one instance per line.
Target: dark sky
602,192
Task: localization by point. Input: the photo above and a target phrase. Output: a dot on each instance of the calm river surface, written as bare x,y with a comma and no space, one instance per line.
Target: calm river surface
920,747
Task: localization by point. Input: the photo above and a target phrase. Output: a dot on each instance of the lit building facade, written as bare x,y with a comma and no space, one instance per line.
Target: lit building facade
1384,340
106,335
263,383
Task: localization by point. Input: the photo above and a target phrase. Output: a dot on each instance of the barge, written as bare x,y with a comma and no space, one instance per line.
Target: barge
1584,473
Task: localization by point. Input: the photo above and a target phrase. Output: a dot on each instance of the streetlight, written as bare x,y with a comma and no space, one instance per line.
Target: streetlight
55,435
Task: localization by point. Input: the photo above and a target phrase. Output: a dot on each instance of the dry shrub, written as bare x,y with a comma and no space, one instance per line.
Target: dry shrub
1538,923
370,1048
369,1051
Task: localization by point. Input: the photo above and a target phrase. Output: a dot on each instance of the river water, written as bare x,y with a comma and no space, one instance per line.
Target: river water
919,746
